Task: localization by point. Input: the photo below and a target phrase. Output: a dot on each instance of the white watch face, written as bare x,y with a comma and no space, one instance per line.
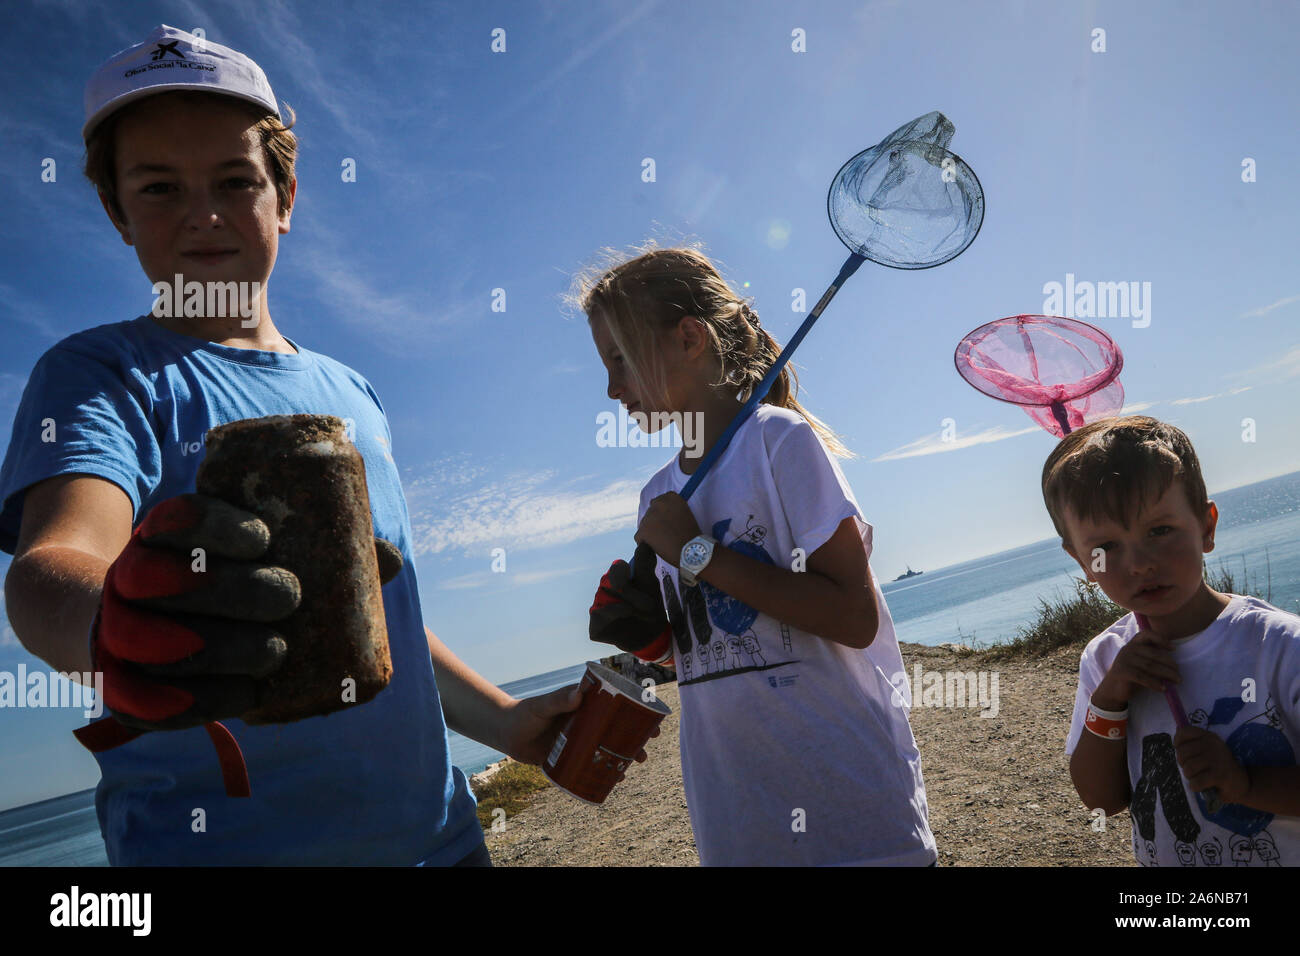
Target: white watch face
694,554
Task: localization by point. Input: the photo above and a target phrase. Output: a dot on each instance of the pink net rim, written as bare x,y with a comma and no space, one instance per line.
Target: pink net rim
1058,407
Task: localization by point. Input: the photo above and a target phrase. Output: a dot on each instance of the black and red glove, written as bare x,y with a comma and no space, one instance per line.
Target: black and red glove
184,630
629,612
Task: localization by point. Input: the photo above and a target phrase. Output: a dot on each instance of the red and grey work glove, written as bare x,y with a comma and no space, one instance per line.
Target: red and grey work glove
629,612
184,629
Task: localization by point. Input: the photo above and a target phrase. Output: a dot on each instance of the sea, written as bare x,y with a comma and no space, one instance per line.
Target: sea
981,602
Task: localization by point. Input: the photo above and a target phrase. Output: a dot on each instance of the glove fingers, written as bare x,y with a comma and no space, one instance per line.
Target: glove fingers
644,561
166,580
390,560
199,521
256,593
128,694
645,605
614,588
132,633
210,698
230,648
617,576
644,581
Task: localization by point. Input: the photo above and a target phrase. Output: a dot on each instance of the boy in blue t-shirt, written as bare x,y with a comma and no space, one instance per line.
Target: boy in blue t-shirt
194,167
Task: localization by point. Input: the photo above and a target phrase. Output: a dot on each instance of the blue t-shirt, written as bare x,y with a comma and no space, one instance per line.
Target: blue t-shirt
131,402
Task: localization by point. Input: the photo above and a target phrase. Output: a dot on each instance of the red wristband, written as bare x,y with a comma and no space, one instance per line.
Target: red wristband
1107,724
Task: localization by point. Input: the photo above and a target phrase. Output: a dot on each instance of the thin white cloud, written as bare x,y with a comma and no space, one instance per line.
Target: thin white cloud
1278,370
18,307
1137,407
484,578
533,577
583,51
402,322
1206,398
454,510
934,444
1255,313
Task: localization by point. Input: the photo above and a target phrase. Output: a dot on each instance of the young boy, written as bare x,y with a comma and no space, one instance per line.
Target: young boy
194,167
1128,500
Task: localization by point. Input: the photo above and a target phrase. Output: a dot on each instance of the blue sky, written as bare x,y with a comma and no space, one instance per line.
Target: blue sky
479,171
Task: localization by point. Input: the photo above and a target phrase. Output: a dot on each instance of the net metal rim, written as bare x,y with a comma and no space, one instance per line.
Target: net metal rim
961,164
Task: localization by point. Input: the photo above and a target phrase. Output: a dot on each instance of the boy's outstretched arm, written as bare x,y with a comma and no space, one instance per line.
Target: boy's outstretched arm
523,729
470,704
73,528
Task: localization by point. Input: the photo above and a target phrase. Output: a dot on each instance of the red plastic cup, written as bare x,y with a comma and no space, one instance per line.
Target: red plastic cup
603,736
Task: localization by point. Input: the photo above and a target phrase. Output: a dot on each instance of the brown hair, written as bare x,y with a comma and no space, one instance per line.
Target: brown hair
1110,468
279,145
648,292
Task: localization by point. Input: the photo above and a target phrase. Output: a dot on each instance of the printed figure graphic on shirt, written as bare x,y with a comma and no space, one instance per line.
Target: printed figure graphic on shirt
733,645
702,611
676,618
1266,849
1161,781
1240,850
1150,847
1186,853
1212,851
736,617
1272,714
698,613
1256,742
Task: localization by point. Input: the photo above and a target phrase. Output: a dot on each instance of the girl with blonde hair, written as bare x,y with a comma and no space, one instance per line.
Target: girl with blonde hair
795,743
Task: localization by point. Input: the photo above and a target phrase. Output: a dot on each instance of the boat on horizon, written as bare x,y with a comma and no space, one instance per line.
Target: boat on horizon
910,574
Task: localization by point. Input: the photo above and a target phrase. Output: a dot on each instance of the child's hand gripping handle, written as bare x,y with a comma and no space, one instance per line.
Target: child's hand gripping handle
1212,802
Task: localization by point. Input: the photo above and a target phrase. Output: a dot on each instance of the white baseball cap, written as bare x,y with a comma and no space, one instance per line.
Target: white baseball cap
171,59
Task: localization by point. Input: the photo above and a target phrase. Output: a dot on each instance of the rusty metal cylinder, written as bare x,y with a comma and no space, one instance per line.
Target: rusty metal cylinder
304,478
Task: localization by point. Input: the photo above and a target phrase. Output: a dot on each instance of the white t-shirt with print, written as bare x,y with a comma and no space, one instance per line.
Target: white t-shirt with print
1240,678
795,749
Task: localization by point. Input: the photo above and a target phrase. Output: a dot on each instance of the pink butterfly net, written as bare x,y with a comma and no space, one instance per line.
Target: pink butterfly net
1063,372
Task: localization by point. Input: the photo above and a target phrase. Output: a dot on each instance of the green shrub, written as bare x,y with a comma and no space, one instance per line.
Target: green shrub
510,788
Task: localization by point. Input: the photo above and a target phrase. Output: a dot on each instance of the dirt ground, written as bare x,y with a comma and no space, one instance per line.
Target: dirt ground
998,788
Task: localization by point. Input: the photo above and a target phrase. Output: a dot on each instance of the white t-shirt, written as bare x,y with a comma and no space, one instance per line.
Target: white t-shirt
795,749
1241,680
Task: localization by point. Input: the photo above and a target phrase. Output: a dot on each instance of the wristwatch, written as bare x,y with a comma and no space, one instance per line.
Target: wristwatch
696,555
